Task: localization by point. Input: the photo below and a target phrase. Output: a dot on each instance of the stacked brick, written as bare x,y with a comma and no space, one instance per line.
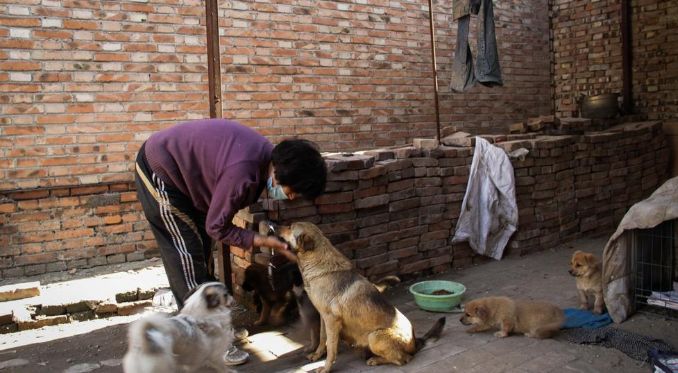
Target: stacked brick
545,193
573,185
40,315
392,211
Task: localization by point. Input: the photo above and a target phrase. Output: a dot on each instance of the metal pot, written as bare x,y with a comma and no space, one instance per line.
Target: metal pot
599,107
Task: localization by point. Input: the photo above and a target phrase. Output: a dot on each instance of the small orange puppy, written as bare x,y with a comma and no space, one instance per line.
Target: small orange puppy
586,268
532,318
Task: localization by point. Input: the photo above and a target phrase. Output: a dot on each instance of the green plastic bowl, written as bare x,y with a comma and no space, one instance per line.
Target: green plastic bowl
424,298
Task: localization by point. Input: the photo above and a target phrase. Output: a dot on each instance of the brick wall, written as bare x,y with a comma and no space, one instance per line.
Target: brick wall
72,228
82,83
357,75
655,58
587,54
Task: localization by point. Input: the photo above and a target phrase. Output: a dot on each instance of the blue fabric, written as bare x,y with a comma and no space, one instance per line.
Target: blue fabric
576,318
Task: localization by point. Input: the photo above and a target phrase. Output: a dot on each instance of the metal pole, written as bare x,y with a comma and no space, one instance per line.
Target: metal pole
223,259
435,72
213,65
627,57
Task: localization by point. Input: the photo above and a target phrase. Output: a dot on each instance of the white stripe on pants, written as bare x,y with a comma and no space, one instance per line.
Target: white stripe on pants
177,239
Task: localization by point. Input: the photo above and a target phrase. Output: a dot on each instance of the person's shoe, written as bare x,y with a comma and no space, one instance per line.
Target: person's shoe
234,356
240,334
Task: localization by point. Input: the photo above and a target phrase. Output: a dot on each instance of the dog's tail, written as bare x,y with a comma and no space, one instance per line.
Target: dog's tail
548,330
147,335
432,334
385,282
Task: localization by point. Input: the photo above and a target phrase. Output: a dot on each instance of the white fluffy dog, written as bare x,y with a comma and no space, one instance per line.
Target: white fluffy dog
198,336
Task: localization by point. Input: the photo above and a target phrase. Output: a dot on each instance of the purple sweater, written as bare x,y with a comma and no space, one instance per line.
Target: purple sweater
221,165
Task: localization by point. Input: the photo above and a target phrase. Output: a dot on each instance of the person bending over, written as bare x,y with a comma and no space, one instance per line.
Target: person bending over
192,179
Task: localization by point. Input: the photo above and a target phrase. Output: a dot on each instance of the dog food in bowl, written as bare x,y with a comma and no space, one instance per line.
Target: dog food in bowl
441,292
438,295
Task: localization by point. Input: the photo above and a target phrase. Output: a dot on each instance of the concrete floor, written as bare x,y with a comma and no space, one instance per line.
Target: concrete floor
538,276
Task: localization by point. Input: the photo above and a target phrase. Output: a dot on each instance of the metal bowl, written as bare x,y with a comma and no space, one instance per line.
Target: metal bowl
600,106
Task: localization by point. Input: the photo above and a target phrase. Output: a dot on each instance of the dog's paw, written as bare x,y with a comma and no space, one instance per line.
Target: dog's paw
598,310
501,334
373,361
583,306
314,356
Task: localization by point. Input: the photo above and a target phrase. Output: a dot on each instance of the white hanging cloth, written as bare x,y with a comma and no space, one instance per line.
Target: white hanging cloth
489,214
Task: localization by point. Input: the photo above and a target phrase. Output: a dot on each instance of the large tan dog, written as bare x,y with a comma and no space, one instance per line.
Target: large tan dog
534,319
586,268
350,306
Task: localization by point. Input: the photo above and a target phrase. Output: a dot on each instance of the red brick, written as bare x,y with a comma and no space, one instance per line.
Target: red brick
334,198
335,208
30,195
114,219
80,25
19,21
35,259
19,66
7,207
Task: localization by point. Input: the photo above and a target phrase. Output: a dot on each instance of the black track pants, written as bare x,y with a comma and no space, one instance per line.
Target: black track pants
178,228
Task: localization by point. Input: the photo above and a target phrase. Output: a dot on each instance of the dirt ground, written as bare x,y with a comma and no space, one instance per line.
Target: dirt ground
539,276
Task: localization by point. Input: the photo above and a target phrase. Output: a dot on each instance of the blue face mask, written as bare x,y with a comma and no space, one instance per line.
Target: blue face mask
275,192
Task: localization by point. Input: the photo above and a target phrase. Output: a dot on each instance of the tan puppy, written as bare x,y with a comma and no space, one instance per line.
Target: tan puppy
350,306
534,319
199,336
586,268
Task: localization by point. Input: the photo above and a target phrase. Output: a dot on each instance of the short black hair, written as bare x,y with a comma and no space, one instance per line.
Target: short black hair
299,165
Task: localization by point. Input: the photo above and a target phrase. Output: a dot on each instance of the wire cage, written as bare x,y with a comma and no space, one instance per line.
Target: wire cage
653,264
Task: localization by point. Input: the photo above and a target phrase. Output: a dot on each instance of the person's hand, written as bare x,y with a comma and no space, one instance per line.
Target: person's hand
269,241
274,243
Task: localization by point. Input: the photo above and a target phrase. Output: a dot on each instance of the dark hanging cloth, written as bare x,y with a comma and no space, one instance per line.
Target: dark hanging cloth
487,70
462,68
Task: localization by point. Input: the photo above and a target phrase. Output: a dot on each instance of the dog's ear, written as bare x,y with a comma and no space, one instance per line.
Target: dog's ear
482,311
304,242
212,298
590,259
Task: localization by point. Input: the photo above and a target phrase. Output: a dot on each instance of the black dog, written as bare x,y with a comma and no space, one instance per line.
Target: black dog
310,317
272,286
